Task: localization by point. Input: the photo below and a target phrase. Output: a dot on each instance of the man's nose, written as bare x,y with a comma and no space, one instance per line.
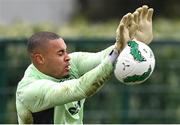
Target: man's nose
67,58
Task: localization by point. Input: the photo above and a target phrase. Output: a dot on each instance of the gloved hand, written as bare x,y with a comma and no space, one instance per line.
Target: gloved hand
143,18
125,31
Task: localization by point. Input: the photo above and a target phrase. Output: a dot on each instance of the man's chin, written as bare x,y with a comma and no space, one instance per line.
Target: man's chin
66,74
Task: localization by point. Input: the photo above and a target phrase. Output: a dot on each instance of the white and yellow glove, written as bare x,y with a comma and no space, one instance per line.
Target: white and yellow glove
136,26
143,18
125,31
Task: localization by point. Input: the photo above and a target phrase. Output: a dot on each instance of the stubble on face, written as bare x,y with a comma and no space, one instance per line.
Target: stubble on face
56,62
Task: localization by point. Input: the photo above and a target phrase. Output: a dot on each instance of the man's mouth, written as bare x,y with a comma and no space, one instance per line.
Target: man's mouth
67,68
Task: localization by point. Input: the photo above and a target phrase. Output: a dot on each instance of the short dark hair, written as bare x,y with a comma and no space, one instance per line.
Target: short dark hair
39,39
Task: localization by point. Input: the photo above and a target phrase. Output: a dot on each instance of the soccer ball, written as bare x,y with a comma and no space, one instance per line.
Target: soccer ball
135,63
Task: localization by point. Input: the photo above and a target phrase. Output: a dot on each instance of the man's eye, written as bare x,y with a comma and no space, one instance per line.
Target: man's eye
60,54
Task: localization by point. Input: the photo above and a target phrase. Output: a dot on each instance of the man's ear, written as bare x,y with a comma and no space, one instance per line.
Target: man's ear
38,58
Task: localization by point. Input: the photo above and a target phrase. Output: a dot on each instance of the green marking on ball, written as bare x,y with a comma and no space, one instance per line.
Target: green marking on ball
137,78
135,51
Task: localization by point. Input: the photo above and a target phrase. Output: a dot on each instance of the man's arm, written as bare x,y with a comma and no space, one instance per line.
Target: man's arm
24,115
85,61
44,94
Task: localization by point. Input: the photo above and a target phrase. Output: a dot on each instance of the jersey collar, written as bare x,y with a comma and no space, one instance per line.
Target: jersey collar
42,75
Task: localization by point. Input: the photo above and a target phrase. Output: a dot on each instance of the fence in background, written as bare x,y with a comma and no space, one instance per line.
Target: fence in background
155,101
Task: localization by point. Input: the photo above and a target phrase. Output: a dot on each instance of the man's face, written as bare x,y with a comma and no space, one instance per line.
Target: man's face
56,59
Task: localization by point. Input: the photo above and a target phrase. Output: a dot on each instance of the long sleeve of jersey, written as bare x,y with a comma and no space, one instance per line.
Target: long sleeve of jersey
85,61
43,94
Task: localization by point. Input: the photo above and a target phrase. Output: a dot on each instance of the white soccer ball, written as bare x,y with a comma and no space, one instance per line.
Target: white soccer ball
135,63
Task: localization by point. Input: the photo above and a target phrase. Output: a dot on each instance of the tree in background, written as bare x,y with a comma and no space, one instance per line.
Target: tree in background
105,9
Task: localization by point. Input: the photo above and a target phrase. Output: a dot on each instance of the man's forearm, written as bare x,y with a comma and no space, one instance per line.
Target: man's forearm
94,79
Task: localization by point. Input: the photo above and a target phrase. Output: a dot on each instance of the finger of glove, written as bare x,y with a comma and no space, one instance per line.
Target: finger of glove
123,21
140,13
133,30
131,21
120,40
121,28
124,36
137,10
144,12
130,18
150,14
136,14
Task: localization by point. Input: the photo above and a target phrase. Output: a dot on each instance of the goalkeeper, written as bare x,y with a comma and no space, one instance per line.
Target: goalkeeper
60,82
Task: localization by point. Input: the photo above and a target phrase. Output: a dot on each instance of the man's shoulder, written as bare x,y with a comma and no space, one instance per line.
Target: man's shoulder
28,74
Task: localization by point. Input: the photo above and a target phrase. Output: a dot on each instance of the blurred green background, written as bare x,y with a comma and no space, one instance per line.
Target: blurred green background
92,28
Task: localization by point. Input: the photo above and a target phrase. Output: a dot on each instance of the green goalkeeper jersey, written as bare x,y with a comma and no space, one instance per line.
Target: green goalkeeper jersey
37,92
